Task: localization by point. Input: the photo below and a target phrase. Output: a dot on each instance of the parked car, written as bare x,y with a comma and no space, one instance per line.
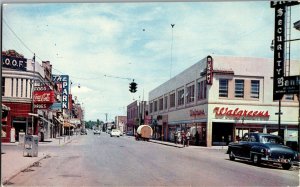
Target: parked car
97,132
115,132
260,147
83,132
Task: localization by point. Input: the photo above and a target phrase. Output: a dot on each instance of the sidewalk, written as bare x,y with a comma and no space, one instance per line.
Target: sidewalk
13,162
191,146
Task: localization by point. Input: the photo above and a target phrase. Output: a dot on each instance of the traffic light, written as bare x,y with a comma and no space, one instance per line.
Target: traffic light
132,87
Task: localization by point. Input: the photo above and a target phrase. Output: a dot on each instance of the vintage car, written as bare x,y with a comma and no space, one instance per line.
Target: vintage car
260,147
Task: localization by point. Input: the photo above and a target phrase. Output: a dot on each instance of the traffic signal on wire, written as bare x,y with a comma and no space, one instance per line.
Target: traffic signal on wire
133,87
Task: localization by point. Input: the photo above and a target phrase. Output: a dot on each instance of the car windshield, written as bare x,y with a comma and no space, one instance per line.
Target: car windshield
270,139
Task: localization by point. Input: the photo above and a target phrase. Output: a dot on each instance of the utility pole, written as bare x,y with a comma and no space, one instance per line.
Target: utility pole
172,25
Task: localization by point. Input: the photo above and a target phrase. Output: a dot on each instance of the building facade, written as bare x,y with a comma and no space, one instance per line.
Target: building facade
220,98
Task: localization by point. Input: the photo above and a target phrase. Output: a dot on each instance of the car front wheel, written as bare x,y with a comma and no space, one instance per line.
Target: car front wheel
231,156
286,166
256,159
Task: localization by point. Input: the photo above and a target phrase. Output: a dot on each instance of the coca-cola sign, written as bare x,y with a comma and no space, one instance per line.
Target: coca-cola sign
43,97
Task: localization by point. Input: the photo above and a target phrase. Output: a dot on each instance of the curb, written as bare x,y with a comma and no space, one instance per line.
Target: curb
162,143
6,181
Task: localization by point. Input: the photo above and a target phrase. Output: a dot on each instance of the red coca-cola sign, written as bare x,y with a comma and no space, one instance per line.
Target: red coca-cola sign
43,97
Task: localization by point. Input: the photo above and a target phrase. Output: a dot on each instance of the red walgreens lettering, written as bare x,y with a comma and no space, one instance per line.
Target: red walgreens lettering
239,113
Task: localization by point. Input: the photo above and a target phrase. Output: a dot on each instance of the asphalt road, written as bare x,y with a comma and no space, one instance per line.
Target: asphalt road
93,160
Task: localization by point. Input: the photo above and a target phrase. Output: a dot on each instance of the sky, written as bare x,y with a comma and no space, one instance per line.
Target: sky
104,46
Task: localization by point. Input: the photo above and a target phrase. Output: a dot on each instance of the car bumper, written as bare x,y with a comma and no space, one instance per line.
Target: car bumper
278,160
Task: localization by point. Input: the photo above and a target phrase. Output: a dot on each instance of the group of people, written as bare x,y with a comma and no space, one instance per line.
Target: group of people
182,137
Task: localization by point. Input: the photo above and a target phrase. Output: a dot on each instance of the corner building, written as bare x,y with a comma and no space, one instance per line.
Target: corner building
223,100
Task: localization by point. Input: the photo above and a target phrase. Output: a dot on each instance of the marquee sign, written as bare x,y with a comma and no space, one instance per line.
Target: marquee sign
209,70
14,63
238,113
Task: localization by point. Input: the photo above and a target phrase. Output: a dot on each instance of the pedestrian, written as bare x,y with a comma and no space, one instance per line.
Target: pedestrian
175,137
197,138
183,139
178,137
188,135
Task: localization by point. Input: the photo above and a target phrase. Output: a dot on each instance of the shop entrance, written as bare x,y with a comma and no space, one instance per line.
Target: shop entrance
222,133
20,126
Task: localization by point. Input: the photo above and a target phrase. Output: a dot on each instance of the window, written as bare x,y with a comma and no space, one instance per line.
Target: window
204,89
172,100
239,88
3,86
155,106
151,107
161,104
255,89
166,102
180,97
223,88
190,97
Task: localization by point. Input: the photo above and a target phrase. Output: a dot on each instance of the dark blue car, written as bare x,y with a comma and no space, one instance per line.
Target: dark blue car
260,147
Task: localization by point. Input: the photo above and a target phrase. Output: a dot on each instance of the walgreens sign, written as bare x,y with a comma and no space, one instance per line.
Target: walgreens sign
238,113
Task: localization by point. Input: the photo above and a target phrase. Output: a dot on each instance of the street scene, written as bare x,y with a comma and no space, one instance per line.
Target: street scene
145,93
101,160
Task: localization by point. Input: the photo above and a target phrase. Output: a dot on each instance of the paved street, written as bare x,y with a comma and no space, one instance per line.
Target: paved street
93,160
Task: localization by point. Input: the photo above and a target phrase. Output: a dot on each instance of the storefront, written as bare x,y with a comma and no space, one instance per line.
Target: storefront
220,98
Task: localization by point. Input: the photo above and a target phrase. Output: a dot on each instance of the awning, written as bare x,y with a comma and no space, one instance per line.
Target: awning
4,107
40,117
59,121
68,125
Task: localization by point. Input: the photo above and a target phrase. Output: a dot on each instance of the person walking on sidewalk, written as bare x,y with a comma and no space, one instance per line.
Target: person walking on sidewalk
187,135
175,137
183,139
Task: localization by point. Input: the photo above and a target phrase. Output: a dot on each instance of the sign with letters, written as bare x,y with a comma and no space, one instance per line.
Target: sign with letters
209,70
279,43
14,63
64,80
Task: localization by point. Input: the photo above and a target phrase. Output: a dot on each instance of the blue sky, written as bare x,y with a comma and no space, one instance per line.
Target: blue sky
133,40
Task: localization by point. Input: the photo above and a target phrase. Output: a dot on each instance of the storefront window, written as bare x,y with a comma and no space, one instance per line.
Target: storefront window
223,88
155,106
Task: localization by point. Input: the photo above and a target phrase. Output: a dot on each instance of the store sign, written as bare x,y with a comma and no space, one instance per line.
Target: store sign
238,113
209,70
286,3
197,112
14,63
43,97
64,80
42,106
279,43
42,88
292,84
